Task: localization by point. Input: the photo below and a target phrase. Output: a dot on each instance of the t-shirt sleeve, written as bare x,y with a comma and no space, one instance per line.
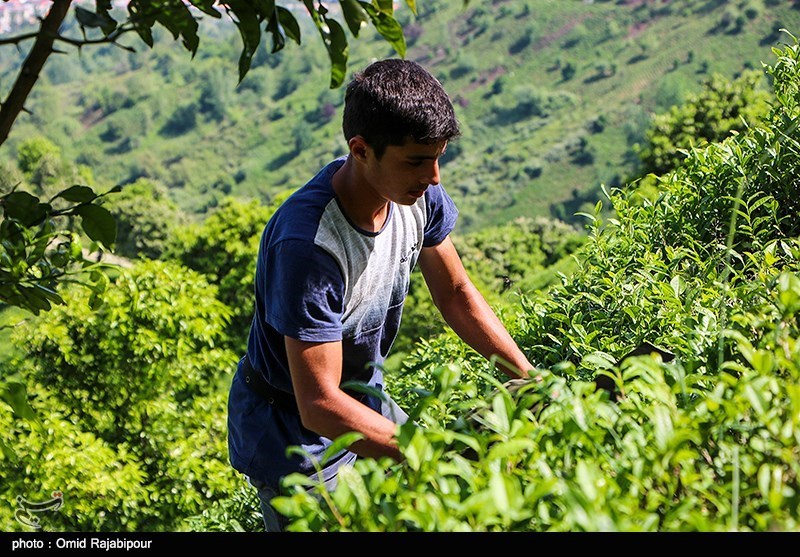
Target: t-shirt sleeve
304,292
442,215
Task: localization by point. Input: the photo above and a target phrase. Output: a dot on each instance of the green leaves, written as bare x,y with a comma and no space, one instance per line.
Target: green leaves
333,38
173,15
282,25
383,19
36,255
78,194
139,377
102,19
279,22
98,223
25,208
247,18
354,14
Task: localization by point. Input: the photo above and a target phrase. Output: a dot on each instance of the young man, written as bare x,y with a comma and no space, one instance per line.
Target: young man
332,275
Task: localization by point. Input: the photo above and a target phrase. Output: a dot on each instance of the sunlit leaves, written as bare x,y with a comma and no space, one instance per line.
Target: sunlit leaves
383,19
138,374
354,15
705,442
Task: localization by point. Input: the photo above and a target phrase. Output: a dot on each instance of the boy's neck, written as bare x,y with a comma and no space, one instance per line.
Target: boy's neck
363,209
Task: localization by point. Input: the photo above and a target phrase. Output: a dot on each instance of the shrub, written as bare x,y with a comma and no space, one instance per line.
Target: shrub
706,442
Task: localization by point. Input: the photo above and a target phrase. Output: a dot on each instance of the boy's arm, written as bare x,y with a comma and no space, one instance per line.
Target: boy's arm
466,311
316,369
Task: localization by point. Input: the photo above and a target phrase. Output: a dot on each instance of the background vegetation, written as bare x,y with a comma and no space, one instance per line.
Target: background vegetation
705,442
554,97
118,394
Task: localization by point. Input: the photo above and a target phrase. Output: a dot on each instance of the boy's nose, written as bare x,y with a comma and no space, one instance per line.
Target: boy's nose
433,176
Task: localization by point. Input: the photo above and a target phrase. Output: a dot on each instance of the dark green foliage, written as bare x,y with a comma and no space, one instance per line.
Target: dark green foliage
147,19
182,120
568,71
215,95
520,44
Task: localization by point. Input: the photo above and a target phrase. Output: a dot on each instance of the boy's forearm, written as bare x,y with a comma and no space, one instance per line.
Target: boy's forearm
474,321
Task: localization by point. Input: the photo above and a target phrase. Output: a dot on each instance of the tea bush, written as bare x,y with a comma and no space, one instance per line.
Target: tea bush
709,441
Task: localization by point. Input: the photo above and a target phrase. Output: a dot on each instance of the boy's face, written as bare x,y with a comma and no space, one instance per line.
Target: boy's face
405,171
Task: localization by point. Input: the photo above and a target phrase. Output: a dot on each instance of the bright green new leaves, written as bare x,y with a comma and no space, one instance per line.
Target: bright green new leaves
132,397
707,442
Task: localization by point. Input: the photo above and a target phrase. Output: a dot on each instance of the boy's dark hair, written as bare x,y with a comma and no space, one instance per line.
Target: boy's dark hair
393,100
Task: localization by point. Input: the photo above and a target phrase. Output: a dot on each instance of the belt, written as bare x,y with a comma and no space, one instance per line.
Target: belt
276,397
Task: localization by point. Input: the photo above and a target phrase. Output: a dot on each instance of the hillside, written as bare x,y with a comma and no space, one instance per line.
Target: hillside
665,396
702,435
553,95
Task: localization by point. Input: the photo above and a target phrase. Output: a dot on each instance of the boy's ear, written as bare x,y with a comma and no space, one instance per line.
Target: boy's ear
358,147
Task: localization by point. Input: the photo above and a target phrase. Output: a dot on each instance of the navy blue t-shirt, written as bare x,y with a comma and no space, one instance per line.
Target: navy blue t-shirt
321,278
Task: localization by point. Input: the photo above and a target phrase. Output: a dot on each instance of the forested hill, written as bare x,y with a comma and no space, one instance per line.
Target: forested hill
666,337
553,96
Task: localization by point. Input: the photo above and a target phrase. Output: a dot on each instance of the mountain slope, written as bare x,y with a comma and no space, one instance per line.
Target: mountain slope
552,95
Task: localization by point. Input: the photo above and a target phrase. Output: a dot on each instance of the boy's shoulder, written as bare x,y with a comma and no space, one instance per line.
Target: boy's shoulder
299,215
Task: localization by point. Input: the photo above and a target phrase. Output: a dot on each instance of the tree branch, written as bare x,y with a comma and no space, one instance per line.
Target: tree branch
18,38
32,67
109,39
